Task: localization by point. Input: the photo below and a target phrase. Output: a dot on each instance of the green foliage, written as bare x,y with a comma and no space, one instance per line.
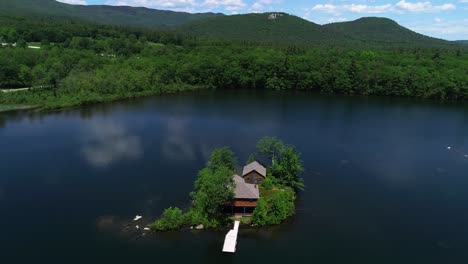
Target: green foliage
260,215
270,146
289,168
222,157
214,191
286,163
269,183
251,158
21,44
114,15
171,219
274,207
86,64
285,28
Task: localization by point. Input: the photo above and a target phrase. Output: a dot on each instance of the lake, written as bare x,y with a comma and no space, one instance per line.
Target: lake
386,178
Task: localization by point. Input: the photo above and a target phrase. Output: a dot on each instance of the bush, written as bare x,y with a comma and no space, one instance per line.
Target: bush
274,207
260,215
171,219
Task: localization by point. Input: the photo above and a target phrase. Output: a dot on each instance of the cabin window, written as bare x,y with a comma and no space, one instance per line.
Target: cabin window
248,178
255,180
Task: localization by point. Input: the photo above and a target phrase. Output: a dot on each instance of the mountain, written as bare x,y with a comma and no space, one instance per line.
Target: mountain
281,27
101,14
464,42
381,30
266,27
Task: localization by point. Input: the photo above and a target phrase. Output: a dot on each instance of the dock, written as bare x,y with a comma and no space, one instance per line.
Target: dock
230,242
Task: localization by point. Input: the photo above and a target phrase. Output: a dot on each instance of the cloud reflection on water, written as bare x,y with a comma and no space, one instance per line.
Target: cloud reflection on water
108,142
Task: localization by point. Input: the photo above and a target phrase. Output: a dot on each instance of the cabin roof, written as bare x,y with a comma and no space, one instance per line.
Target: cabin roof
245,190
254,166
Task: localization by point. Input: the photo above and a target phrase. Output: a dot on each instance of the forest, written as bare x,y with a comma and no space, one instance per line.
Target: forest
79,63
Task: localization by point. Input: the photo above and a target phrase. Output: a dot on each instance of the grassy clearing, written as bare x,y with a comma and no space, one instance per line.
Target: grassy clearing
8,108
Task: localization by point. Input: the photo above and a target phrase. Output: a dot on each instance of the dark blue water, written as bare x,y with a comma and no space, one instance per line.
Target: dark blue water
382,185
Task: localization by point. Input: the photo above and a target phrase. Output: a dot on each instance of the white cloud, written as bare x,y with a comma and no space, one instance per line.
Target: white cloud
329,8
443,29
423,6
401,6
74,2
230,5
370,9
438,20
184,5
336,19
257,8
177,5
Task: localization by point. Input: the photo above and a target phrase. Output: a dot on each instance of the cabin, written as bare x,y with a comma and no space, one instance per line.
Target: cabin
247,192
254,173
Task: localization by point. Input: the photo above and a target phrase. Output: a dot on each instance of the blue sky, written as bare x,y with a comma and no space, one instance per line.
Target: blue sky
446,19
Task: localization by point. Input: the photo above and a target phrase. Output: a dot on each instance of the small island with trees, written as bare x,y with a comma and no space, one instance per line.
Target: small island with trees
259,195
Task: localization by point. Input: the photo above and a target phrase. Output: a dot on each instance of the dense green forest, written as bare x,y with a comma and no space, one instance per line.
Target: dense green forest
81,63
368,32
101,14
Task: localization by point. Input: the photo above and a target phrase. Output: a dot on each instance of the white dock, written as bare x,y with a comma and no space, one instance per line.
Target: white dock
230,242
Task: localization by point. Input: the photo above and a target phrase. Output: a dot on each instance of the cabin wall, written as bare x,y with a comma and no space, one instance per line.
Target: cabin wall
253,177
245,203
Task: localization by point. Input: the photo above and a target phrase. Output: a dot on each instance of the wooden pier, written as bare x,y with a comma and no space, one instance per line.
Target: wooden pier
230,242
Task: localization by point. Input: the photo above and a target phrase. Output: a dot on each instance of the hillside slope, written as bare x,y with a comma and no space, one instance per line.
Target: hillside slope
382,30
110,15
281,27
266,27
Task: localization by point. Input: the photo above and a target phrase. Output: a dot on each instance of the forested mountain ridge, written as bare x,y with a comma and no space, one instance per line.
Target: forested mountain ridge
382,30
101,14
262,27
368,32
285,28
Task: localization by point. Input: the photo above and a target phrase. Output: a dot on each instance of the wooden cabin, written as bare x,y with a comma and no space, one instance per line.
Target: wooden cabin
247,192
254,173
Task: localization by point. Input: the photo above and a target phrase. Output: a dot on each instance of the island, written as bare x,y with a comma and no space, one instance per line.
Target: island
260,195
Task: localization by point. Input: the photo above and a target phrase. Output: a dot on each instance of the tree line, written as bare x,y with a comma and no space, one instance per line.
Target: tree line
82,63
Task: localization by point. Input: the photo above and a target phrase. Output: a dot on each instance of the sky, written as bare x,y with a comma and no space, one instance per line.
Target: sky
447,19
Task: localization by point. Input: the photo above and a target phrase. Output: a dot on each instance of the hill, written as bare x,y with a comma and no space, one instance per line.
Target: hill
366,32
266,27
101,14
281,27
382,30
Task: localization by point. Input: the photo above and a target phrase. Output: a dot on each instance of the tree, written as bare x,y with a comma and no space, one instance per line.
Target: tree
214,190
286,163
289,168
260,215
270,146
275,208
222,157
251,158
21,44
171,219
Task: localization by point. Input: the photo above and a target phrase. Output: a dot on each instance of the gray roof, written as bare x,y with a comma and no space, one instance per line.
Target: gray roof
254,166
245,190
